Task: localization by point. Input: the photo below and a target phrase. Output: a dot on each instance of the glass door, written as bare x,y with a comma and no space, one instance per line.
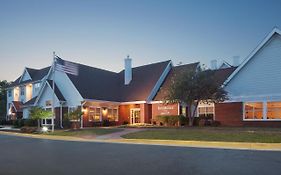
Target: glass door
135,115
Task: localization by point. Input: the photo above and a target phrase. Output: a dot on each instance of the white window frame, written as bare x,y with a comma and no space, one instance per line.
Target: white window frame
206,105
112,109
22,91
264,117
44,121
94,108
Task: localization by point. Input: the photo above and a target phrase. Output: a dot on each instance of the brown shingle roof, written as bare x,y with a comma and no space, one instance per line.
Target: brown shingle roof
175,70
98,84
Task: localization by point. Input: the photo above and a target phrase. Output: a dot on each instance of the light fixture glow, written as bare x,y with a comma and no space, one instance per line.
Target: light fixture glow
44,129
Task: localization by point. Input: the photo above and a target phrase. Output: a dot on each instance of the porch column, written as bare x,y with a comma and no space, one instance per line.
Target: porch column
145,113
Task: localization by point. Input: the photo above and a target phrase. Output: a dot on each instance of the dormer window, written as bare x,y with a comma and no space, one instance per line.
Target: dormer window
22,91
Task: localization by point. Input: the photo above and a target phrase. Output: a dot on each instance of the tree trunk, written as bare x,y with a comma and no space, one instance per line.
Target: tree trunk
38,124
189,113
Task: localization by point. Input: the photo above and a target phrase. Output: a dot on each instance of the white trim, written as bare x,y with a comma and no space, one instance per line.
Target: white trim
99,101
25,70
249,57
133,102
159,82
41,92
264,110
155,102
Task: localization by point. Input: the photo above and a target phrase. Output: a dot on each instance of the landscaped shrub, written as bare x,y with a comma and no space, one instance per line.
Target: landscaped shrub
216,123
125,123
6,122
196,121
66,123
182,120
18,123
105,122
29,122
168,120
27,129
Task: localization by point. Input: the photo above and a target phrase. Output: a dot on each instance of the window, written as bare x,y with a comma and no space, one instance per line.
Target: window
112,115
36,87
48,103
206,110
9,93
273,110
46,121
94,114
253,110
22,91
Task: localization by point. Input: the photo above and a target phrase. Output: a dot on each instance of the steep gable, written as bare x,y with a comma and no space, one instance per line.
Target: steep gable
25,76
259,75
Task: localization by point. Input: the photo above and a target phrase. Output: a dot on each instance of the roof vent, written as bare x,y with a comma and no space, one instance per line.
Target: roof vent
128,70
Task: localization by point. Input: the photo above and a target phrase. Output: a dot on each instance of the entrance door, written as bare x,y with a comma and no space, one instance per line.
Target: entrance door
135,115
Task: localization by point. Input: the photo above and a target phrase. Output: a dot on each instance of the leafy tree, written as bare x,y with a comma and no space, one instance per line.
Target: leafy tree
3,98
38,113
193,86
74,115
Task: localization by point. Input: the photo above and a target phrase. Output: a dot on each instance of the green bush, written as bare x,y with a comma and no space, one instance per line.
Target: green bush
66,123
183,120
105,122
30,122
6,122
18,123
125,122
168,120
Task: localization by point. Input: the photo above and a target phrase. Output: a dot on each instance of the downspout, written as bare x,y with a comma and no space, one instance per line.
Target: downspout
61,123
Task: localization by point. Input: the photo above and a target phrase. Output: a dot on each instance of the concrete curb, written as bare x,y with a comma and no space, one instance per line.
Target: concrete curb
176,143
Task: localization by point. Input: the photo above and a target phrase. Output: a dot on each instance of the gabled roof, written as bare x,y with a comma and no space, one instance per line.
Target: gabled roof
166,84
17,106
57,90
36,75
220,76
30,102
98,84
253,53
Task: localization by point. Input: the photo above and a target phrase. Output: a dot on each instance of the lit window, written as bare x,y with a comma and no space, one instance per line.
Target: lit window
94,114
112,115
273,110
206,111
253,110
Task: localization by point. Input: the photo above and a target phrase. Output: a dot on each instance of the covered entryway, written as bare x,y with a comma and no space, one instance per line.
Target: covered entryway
135,115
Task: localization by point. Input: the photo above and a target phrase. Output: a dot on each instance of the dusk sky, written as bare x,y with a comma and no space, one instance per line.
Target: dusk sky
102,33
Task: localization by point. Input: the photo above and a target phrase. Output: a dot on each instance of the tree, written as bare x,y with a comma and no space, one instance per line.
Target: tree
193,86
38,113
75,116
3,98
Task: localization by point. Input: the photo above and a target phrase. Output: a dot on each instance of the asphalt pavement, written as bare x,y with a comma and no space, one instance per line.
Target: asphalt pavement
32,156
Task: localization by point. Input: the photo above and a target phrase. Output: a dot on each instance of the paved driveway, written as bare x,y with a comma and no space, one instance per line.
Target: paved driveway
29,156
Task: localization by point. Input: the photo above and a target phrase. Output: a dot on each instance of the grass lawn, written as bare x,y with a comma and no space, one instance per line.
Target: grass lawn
227,134
85,132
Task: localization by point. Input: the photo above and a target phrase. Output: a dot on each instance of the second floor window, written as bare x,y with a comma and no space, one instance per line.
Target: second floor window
37,86
22,91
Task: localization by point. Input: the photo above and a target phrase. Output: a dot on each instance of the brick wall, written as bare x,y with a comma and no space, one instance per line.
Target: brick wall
231,114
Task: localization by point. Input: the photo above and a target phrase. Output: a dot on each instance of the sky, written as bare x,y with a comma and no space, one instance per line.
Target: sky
101,33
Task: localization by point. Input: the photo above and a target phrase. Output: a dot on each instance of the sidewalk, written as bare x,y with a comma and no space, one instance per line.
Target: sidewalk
111,138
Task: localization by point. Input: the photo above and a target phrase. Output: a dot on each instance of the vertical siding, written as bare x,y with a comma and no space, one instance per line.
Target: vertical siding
261,75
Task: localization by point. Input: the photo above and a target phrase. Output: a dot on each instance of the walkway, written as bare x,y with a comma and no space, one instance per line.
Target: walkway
117,135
